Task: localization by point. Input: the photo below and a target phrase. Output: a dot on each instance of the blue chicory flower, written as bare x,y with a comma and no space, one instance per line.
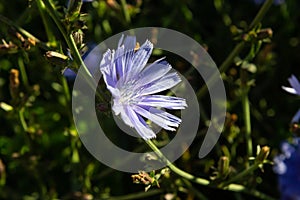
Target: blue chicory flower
295,89
287,166
133,85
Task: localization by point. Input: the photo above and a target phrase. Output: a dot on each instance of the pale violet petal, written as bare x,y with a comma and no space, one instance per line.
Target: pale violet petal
119,62
121,40
168,102
107,68
290,90
139,124
130,43
120,110
153,72
165,115
295,84
140,60
166,82
296,117
164,123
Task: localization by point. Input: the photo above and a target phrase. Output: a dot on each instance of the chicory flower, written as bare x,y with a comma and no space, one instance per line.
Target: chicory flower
134,84
287,166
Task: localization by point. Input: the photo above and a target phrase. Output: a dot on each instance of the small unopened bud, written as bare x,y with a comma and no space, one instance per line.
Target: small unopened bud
14,82
263,154
223,166
57,58
264,33
78,38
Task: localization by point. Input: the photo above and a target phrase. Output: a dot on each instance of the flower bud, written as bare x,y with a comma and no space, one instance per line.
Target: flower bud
14,82
264,33
223,166
263,154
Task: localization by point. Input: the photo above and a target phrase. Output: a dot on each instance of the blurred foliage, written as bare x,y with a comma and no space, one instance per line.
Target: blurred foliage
41,155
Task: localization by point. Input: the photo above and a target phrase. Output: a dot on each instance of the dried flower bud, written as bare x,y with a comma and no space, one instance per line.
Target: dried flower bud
9,48
14,82
143,178
57,58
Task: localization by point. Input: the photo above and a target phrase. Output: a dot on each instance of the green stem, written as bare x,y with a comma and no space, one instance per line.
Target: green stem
24,32
23,73
242,174
176,170
73,47
261,13
50,35
227,185
22,119
126,13
238,48
246,111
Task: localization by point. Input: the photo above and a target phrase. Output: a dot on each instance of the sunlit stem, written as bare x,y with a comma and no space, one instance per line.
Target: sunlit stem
50,35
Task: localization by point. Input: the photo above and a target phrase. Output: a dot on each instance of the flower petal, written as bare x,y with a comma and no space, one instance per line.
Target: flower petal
290,90
295,84
107,68
164,83
139,60
159,120
168,102
139,124
153,72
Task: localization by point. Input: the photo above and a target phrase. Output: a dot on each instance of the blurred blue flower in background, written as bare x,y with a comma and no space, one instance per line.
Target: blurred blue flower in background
133,84
287,166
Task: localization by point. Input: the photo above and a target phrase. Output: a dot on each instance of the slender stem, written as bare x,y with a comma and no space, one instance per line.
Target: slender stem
125,10
50,35
24,32
23,72
227,185
73,47
246,111
223,67
238,48
176,170
261,13
22,119
242,174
